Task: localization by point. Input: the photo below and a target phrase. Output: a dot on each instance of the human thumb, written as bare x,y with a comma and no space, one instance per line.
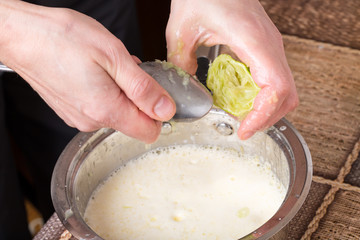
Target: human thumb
145,92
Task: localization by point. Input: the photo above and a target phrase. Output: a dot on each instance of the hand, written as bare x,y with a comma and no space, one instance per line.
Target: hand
243,26
83,72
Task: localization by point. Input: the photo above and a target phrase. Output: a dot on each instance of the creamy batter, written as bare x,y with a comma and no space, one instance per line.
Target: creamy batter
185,192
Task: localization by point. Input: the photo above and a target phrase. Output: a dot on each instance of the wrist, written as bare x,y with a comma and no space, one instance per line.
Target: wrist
15,19
9,16
5,26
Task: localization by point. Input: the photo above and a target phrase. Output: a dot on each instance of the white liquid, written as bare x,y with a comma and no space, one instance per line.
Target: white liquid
185,192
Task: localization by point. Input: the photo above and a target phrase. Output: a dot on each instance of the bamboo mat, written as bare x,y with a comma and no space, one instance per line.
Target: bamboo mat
328,117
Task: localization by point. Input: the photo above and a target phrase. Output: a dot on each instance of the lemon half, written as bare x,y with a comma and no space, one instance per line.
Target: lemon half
233,88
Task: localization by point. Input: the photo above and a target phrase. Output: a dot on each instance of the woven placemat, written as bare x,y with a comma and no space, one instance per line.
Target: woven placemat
353,177
53,229
328,117
299,223
342,218
331,21
328,83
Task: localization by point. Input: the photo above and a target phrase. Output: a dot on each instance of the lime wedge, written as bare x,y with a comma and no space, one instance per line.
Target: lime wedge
232,86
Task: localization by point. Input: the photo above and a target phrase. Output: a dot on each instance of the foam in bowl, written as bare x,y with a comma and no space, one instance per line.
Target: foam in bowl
186,192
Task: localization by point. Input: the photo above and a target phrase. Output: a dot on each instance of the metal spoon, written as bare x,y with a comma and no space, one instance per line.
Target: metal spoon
192,99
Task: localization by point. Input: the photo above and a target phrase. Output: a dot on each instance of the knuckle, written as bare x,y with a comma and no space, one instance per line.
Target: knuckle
282,91
84,126
140,87
67,19
112,49
95,117
108,115
289,94
285,87
278,36
100,116
294,102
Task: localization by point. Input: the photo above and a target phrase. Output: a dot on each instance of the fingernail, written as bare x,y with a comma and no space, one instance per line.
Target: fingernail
164,108
247,135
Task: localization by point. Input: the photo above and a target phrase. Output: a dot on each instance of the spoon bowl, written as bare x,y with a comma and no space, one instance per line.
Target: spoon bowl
193,100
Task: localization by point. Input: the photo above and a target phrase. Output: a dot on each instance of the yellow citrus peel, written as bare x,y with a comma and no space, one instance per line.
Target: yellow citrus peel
233,88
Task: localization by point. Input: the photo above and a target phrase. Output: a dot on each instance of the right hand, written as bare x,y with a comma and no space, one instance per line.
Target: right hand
244,26
83,72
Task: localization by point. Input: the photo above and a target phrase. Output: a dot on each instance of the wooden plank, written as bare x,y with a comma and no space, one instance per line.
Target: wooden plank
331,21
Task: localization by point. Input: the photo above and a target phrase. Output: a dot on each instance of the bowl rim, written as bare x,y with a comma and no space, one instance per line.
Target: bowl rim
298,192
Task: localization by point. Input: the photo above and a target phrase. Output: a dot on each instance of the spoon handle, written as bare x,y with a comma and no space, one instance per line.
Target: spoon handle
4,68
209,53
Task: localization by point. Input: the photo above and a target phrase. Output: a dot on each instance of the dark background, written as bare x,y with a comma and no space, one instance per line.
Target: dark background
153,16
330,21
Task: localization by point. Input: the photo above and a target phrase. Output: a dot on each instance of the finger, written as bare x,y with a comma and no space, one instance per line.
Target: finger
289,104
267,114
181,48
278,93
265,105
123,115
137,85
136,59
146,93
128,119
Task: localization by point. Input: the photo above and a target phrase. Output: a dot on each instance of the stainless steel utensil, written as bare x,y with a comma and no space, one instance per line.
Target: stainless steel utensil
192,99
4,68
